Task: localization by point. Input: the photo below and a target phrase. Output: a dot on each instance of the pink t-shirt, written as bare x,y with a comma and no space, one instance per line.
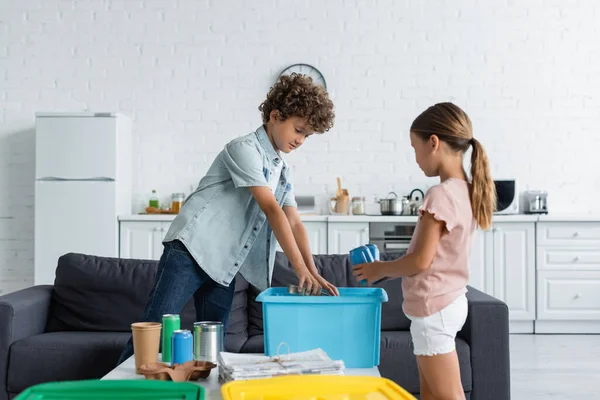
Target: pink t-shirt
435,288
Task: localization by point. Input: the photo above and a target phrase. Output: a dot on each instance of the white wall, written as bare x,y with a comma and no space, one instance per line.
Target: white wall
192,74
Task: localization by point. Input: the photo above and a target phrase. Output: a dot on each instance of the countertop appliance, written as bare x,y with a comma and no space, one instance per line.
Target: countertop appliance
536,202
82,183
507,196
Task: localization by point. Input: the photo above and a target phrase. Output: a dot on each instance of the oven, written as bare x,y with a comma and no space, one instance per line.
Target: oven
392,238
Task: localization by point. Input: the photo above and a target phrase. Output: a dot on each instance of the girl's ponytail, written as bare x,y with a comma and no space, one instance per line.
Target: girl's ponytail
483,190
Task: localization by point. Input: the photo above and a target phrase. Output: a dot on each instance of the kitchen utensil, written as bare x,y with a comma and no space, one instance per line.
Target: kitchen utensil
208,340
415,201
392,205
340,203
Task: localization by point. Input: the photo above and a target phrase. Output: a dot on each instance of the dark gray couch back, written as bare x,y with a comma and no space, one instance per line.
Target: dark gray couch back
107,294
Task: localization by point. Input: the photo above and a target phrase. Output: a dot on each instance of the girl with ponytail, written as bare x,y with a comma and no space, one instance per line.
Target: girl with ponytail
435,270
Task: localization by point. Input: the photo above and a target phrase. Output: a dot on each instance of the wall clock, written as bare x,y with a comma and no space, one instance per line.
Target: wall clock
306,69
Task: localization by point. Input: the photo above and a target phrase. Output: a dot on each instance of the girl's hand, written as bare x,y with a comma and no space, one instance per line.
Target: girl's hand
372,271
327,286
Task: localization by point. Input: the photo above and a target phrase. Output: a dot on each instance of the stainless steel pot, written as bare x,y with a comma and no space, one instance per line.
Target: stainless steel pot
392,205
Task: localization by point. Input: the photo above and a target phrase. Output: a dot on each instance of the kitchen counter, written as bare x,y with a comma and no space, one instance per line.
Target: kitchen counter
569,218
372,218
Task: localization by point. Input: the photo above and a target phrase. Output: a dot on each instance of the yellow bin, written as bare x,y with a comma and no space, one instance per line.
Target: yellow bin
306,387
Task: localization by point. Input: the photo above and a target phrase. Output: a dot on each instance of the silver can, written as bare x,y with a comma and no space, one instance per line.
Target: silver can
208,340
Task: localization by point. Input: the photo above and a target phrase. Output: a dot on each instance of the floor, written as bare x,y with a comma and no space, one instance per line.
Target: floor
565,367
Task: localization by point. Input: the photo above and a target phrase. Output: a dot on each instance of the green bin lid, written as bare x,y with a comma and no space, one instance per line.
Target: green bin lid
113,389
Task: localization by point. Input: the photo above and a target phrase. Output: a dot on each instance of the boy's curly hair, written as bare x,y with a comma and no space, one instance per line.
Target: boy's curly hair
297,95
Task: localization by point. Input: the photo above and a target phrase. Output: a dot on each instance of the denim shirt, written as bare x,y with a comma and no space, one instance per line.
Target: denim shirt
222,225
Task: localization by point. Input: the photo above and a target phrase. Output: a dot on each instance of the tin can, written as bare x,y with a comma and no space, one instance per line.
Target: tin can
170,324
182,346
361,255
208,340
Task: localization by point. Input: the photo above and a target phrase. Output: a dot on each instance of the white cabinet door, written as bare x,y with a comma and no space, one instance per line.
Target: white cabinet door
514,267
345,236
142,240
317,237
481,262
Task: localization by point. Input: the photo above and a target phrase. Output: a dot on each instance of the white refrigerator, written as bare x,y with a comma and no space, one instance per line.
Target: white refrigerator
83,181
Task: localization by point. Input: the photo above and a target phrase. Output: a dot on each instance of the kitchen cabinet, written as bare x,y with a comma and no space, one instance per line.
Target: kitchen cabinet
345,236
142,239
568,277
481,261
502,264
317,237
514,269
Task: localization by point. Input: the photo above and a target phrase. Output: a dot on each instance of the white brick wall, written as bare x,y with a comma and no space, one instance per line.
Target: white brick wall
192,74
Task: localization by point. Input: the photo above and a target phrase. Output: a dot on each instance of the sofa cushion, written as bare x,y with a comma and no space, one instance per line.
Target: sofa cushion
60,356
398,363
107,294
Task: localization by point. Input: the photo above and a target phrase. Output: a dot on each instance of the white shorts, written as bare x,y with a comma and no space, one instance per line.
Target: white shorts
436,333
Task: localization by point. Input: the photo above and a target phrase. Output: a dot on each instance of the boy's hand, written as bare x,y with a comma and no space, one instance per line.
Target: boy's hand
327,286
308,281
372,271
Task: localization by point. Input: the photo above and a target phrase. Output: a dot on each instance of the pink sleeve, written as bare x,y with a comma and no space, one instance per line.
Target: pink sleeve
440,204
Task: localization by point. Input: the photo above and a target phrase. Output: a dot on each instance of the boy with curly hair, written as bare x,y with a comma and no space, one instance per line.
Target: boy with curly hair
245,200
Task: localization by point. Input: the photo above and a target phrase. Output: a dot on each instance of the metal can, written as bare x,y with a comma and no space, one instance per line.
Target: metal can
208,340
182,346
170,324
361,255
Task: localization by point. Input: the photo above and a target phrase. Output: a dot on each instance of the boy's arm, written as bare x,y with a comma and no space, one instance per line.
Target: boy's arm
301,238
304,245
283,232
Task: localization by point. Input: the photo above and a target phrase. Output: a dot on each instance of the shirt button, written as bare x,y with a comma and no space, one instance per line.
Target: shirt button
246,246
236,264
282,183
254,228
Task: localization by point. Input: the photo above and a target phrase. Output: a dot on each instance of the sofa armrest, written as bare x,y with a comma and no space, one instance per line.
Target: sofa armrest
22,314
486,331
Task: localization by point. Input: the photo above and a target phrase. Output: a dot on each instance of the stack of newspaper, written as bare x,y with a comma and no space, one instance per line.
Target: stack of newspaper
233,366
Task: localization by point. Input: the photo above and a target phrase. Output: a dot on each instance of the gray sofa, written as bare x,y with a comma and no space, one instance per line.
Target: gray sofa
77,328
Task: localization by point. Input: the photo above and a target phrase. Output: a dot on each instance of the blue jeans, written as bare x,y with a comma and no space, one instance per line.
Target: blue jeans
178,278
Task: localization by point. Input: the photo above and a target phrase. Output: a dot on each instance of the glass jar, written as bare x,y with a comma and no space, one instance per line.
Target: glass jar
358,205
177,202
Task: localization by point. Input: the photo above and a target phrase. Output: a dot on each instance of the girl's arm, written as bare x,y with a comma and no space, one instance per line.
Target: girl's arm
428,236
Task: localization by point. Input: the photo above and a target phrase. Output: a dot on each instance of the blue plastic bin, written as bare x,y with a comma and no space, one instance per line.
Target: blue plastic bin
347,327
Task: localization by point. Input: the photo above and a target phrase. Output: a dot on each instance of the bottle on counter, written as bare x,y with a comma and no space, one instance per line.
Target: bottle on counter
153,201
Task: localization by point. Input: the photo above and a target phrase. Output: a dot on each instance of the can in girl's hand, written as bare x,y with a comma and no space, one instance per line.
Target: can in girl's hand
170,324
182,346
364,254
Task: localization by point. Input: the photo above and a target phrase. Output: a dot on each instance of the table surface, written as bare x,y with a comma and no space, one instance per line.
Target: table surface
211,385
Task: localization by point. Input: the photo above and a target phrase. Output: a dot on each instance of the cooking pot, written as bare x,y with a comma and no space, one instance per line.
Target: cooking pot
393,205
